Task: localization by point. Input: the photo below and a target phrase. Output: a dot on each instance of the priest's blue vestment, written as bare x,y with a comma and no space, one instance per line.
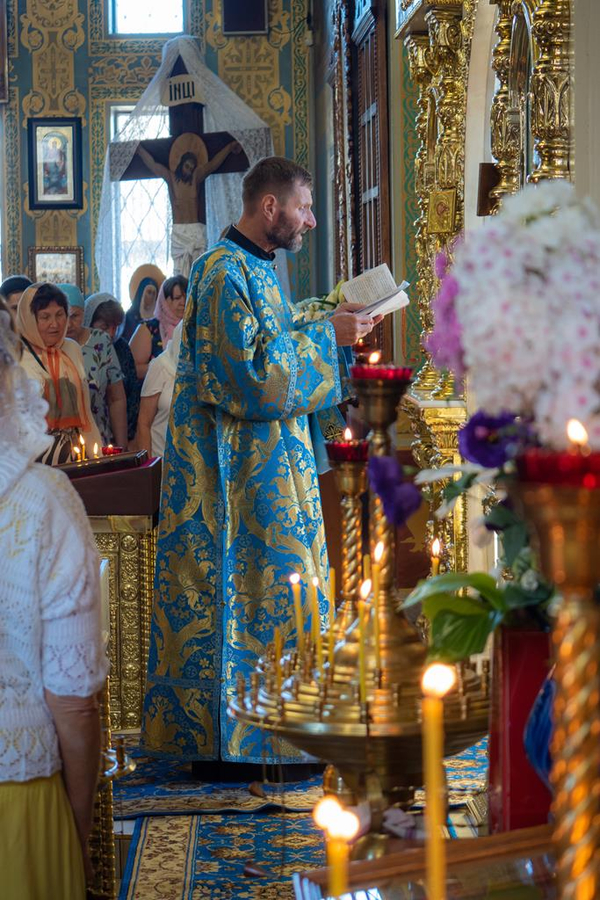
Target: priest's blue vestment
241,508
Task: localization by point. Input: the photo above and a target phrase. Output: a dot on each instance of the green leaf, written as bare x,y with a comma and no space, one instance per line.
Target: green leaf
514,539
500,517
518,598
456,581
465,606
459,485
455,637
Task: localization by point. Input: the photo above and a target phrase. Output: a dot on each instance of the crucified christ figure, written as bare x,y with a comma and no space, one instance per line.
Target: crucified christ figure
189,167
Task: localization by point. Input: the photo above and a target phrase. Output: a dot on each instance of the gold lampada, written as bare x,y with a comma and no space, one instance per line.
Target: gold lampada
566,522
374,745
351,480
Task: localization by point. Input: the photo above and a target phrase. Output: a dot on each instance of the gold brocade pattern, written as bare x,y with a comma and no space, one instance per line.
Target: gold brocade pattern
241,505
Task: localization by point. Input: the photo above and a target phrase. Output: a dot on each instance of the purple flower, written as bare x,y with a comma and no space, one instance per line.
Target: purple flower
445,341
488,440
400,498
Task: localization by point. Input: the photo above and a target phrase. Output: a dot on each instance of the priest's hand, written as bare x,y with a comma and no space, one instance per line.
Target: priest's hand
350,326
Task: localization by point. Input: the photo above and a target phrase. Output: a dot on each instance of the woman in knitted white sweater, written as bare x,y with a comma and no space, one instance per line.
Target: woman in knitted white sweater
52,661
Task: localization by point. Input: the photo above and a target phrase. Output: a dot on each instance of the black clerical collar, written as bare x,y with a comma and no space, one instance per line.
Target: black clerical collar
246,244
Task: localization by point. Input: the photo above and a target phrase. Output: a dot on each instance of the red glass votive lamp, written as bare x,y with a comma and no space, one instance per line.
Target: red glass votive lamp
347,451
111,450
569,468
381,372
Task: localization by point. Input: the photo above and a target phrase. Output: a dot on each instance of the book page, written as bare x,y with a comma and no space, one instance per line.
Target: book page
387,304
370,286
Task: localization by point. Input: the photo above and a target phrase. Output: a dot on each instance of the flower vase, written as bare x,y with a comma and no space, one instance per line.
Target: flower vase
521,660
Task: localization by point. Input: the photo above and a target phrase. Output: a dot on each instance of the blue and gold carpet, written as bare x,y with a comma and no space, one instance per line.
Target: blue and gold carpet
162,788
204,857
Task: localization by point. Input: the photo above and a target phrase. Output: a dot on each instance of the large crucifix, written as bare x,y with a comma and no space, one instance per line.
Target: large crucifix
185,160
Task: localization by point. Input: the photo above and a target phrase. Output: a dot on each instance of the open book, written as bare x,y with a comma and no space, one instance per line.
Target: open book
376,291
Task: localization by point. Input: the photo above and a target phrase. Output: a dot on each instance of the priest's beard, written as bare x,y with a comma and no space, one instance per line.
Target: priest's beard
285,234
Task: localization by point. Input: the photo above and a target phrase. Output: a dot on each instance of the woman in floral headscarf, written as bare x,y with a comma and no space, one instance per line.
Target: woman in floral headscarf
56,363
143,292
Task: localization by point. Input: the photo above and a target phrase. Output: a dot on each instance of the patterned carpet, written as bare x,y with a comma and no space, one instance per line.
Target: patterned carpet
195,841
159,788
203,857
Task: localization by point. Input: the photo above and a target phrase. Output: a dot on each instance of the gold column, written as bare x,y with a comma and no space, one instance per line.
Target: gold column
505,122
129,544
551,88
417,46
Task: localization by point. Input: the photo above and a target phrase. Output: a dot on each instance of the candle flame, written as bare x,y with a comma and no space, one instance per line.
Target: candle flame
335,820
76,450
324,810
295,578
436,547
95,451
438,679
347,435
82,440
576,432
365,588
374,357
110,446
378,552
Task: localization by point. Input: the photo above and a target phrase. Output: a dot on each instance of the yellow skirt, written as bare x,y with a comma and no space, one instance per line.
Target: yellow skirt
40,854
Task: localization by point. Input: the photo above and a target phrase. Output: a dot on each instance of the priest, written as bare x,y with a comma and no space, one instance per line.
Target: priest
240,509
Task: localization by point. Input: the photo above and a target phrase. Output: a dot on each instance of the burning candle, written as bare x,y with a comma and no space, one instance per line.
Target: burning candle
340,827
77,452
278,645
377,557
331,646
95,451
316,625
436,548
82,442
348,450
374,368
436,682
299,618
577,434
362,640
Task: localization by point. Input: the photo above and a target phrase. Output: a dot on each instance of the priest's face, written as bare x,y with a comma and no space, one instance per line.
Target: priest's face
294,217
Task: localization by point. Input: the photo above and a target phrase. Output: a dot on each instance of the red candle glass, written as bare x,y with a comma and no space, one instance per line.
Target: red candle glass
571,468
381,371
111,451
347,451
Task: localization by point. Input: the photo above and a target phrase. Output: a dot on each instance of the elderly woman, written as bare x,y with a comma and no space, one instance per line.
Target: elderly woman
103,370
56,363
151,337
103,312
157,393
52,661
143,292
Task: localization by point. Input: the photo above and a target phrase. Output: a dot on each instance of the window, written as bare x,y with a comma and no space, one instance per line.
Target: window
142,220
147,17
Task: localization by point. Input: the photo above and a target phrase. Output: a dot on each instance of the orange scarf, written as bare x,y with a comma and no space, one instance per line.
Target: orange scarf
63,387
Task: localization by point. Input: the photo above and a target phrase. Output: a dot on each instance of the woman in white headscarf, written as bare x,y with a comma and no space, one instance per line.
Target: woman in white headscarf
157,392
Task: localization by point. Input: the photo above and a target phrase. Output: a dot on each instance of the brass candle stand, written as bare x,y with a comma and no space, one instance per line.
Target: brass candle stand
370,733
566,523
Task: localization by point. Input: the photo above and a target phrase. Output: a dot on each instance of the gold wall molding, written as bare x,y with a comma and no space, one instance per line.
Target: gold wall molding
438,36
129,545
531,116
